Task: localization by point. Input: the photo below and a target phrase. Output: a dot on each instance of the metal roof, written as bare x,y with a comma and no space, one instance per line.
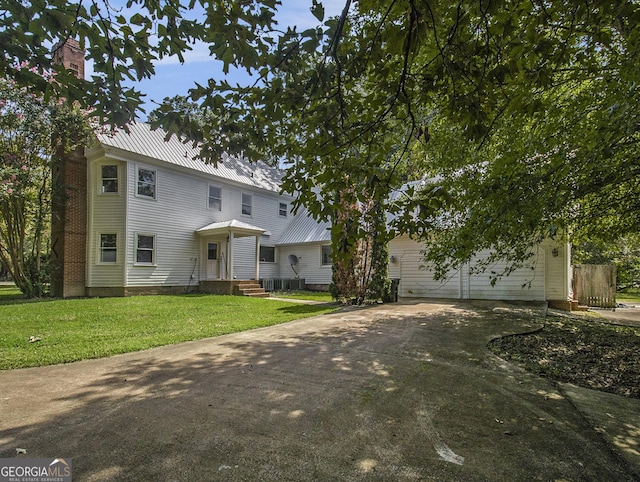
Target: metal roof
305,229
142,140
238,228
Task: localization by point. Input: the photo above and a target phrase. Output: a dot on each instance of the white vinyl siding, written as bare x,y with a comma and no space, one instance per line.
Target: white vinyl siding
309,264
176,216
244,257
106,215
526,283
173,220
415,279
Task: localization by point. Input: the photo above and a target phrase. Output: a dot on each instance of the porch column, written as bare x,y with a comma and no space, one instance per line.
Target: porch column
257,272
230,257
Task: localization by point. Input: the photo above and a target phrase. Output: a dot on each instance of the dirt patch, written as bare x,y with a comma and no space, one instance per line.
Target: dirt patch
579,349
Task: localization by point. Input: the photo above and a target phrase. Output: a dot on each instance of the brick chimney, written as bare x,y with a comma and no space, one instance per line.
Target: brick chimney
69,200
69,54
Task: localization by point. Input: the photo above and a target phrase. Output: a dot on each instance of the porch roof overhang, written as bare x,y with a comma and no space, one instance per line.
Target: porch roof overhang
238,228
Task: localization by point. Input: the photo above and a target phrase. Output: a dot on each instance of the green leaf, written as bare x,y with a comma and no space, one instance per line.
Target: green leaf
317,10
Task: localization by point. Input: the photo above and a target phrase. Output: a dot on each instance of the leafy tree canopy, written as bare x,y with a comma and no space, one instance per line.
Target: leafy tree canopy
29,126
525,112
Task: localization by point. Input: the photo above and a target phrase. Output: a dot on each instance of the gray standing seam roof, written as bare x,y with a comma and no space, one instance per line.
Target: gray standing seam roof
141,139
305,229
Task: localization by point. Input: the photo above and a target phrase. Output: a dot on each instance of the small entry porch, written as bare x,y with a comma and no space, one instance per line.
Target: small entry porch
217,252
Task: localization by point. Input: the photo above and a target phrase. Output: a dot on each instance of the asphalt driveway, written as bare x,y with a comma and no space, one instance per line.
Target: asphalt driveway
403,391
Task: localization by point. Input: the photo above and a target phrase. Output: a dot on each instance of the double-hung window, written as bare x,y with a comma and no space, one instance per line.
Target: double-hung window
146,183
247,204
108,248
268,254
109,179
215,198
282,210
326,255
145,249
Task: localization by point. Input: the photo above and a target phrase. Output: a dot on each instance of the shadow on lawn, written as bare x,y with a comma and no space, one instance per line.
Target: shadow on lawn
371,395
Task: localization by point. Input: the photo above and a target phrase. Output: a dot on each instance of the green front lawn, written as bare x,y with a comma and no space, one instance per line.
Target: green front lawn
77,329
320,296
9,292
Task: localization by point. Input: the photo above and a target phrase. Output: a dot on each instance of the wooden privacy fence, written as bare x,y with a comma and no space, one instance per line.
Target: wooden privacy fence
595,285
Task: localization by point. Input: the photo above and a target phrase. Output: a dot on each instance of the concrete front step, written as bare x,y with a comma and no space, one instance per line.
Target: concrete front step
233,287
250,289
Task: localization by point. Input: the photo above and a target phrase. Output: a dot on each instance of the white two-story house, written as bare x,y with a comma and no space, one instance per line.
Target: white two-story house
160,220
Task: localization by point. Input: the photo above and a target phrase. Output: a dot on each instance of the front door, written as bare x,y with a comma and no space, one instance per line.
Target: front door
213,262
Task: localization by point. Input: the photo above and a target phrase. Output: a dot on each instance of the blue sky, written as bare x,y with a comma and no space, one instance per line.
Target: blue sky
173,78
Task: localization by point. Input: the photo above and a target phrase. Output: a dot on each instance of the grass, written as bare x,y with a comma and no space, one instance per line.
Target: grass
77,329
320,296
9,293
631,295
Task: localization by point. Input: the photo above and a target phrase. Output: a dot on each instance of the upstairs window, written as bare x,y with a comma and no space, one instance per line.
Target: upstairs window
215,198
109,175
146,186
146,249
247,204
282,211
326,255
108,248
268,254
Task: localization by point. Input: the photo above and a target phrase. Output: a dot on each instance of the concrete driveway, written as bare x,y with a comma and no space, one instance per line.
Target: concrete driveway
404,391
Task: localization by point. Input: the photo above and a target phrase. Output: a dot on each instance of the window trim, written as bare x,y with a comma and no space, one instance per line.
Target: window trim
101,177
154,250
322,263
274,254
102,249
209,186
285,210
155,183
243,204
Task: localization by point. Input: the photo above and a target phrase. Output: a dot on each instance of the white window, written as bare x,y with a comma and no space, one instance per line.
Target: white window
146,184
215,198
247,204
109,178
108,248
146,249
268,254
326,255
282,210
